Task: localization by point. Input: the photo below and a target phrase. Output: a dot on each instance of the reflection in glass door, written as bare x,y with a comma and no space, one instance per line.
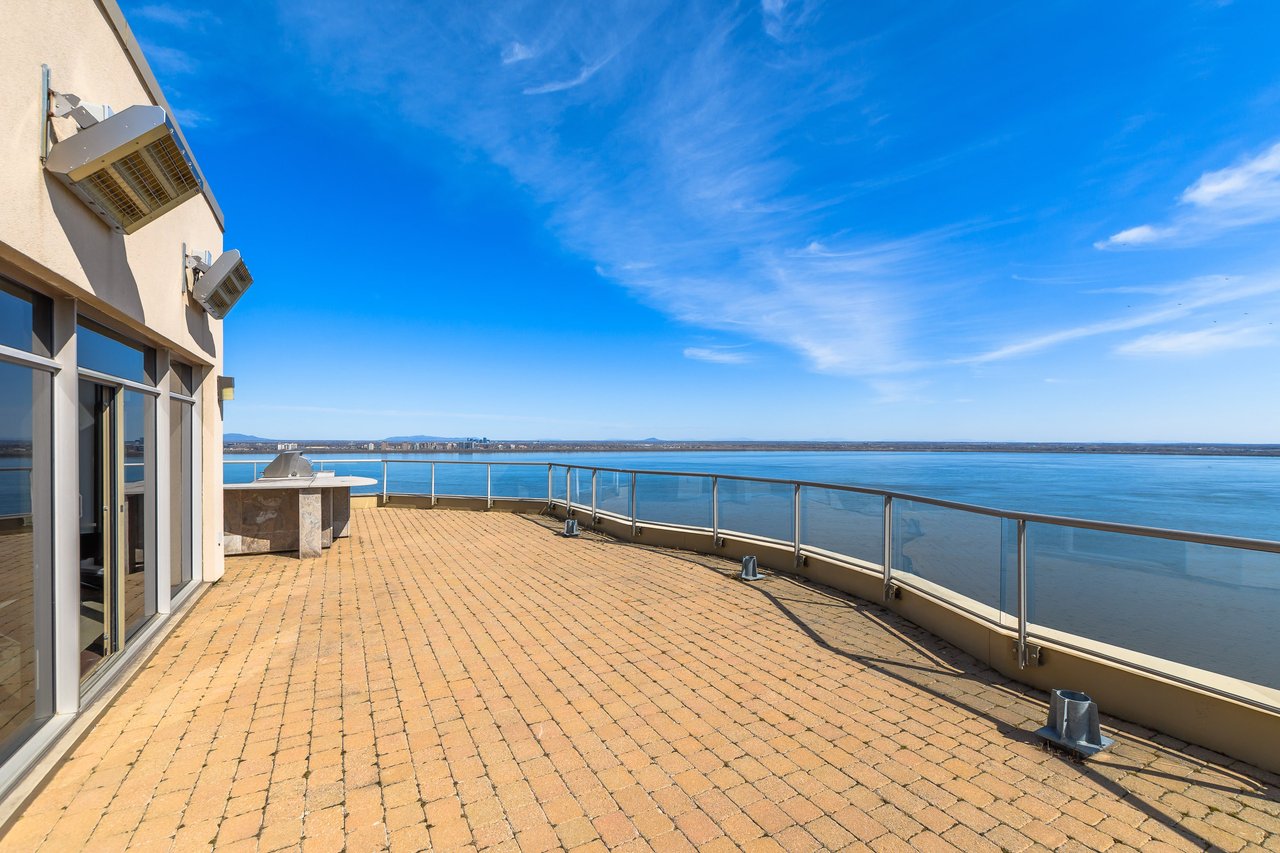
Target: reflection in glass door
98,491
180,494
115,511
135,603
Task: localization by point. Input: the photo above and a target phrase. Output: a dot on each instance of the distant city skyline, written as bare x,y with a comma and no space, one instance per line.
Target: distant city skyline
772,220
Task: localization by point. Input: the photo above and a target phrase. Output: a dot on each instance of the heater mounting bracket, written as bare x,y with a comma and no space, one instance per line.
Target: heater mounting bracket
197,264
85,114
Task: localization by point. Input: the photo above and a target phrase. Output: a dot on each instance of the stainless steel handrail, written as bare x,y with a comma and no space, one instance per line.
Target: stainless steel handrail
1267,545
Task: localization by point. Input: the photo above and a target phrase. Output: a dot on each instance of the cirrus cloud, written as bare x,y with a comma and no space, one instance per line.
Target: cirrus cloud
1247,193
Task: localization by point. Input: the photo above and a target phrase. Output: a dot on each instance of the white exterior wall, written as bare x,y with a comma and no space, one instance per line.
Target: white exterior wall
51,242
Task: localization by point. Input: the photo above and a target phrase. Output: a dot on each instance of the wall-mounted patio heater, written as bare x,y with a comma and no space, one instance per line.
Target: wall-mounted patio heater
219,285
128,167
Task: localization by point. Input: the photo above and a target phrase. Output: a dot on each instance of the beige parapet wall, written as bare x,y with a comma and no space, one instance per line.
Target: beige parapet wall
1221,724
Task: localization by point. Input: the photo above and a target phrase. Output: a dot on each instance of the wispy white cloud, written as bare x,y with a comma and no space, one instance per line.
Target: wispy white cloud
1202,341
784,18
517,52
181,18
1247,193
169,60
583,76
717,355
190,118
1184,302
682,185
1137,236
891,391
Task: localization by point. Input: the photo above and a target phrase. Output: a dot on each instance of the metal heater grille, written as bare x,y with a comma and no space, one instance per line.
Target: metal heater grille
143,180
170,161
220,301
108,194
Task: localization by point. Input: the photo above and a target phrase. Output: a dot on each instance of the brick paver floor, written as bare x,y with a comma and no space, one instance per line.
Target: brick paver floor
452,680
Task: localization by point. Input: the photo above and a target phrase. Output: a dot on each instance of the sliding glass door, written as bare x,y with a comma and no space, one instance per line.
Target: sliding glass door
100,488
181,488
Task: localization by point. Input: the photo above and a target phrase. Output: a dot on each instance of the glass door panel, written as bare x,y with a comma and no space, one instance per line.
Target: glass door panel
25,626
180,493
97,498
136,507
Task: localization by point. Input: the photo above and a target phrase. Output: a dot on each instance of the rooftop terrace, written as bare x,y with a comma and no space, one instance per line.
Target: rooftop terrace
453,679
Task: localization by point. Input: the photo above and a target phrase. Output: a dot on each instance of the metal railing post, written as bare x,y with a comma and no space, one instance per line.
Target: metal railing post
795,522
633,504
433,484
1022,593
715,512
888,547
568,495
488,485
384,482
549,492
593,495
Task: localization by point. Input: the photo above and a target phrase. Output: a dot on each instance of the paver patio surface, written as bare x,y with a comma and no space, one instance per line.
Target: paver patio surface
455,680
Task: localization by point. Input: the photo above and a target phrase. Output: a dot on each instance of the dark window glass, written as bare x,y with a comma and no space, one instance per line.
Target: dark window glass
24,319
105,354
25,694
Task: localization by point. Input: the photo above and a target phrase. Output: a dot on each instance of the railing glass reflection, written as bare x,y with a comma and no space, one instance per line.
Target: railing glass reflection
527,482
763,510
960,552
613,493
1213,607
15,491
842,522
679,501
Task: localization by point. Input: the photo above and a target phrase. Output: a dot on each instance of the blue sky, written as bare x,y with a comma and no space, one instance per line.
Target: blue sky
777,219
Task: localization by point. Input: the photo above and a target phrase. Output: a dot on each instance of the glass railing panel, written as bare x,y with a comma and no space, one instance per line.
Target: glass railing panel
15,489
684,501
528,482
613,493
238,472
459,479
848,523
354,468
957,550
557,482
408,478
1204,606
757,509
580,487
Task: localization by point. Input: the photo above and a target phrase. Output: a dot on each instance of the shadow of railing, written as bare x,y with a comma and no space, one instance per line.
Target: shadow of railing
928,663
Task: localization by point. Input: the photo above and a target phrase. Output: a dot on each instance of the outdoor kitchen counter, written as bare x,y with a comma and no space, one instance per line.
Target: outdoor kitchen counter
288,513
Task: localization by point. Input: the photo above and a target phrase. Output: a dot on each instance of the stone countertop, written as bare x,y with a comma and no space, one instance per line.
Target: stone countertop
318,482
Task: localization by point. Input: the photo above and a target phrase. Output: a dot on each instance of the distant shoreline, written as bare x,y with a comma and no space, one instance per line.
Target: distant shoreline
535,447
